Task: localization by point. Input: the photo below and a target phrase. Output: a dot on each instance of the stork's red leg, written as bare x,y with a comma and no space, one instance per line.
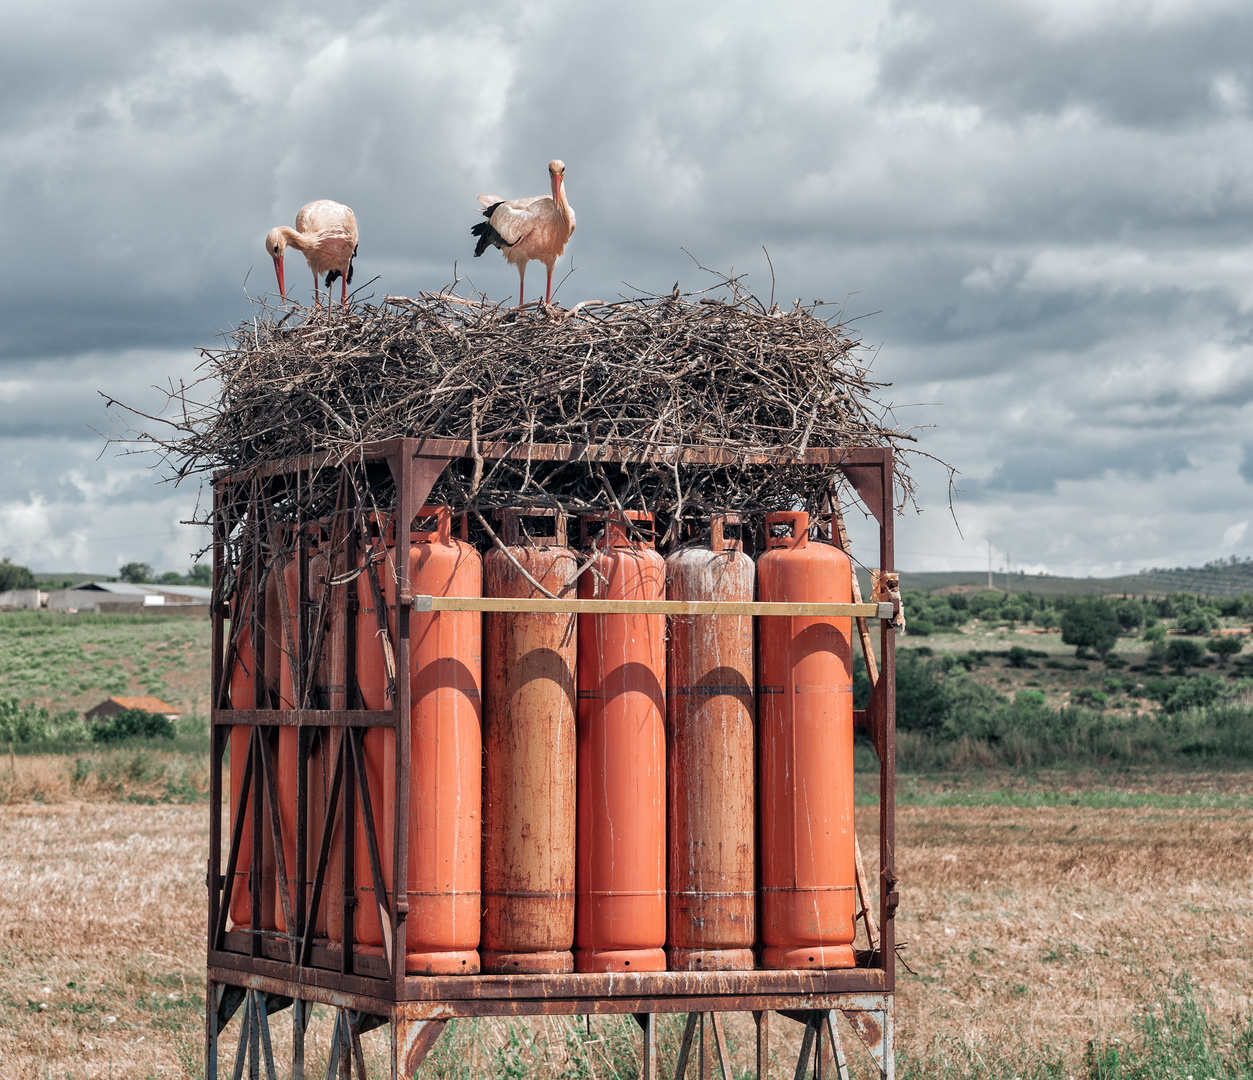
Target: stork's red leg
521,282
548,298
317,299
344,295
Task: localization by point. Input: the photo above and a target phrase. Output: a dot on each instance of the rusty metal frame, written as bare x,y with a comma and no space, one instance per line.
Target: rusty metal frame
264,971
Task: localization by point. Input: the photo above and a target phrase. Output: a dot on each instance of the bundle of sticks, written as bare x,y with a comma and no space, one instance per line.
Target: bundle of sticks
639,377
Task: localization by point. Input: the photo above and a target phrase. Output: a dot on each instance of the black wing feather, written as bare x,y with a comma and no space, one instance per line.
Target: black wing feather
487,235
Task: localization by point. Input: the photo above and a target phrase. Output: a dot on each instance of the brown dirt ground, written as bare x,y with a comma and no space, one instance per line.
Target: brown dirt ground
1027,928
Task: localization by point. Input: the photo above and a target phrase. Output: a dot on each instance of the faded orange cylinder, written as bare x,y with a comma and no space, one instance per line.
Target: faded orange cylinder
242,696
445,785
805,716
373,684
620,910
323,742
709,759
529,758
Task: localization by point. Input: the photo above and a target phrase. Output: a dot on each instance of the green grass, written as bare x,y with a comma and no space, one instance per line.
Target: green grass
1176,1038
75,661
1096,800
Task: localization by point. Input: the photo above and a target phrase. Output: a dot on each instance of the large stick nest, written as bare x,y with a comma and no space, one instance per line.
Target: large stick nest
632,376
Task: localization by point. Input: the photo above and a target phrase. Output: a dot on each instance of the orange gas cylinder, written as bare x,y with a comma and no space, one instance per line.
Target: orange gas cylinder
445,785
620,914
529,755
275,646
242,691
709,758
371,664
329,692
287,757
805,713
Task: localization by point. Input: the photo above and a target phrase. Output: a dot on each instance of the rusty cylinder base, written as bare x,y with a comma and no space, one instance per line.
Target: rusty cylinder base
711,959
792,958
527,963
458,962
598,960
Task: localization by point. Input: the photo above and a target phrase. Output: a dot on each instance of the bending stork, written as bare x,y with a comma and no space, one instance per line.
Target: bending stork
326,232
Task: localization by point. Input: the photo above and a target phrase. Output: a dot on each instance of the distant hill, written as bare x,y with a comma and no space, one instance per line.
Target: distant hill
1223,577
57,581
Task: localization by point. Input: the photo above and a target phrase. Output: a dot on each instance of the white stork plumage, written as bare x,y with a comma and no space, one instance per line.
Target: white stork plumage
326,232
525,229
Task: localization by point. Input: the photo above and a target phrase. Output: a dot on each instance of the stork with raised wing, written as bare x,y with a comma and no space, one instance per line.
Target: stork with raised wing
326,232
525,229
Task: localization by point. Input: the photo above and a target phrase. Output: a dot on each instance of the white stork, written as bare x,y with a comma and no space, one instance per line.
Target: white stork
525,229
326,232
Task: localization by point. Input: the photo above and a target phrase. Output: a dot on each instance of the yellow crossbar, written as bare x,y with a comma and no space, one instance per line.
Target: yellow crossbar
645,607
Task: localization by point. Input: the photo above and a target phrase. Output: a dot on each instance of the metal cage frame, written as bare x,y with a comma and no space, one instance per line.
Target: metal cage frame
261,972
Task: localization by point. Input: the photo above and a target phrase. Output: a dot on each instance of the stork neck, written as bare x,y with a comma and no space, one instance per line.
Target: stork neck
292,238
563,204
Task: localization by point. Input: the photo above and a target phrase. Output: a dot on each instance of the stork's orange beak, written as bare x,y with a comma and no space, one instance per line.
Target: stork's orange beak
278,272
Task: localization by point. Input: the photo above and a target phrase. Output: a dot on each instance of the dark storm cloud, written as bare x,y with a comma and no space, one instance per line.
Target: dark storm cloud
1048,205
1024,59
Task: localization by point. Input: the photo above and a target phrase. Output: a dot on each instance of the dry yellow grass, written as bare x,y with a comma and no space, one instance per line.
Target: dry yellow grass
1031,931
133,774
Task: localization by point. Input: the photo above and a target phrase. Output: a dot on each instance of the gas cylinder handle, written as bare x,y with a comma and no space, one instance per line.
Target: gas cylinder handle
798,519
509,517
443,524
717,539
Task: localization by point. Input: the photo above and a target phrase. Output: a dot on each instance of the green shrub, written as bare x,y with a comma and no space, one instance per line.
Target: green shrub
1198,621
921,627
22,723
1182,653
1224,647
130,724
1090,624
1155,634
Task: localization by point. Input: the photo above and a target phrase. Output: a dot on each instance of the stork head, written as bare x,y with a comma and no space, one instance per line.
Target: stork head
556,174
275,244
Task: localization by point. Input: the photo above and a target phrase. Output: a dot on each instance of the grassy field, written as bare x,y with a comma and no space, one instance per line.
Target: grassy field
1089,919
1060,934
65,662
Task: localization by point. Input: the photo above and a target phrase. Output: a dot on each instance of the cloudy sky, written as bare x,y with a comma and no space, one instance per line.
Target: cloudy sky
1041,207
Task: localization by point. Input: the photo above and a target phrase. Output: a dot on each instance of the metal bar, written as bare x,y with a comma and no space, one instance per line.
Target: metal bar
411,1041
337,1044
685,1047
645,607
306,717
720,1044
297,929
762,1018
324,851
280,856
254,871
300,1024
354,1037
267,1048
254,1040
212,997
401,702
349,845
887,755
460,448
450,988
802,1059
837,1048
648,1024
371,842
245,1031
219,740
